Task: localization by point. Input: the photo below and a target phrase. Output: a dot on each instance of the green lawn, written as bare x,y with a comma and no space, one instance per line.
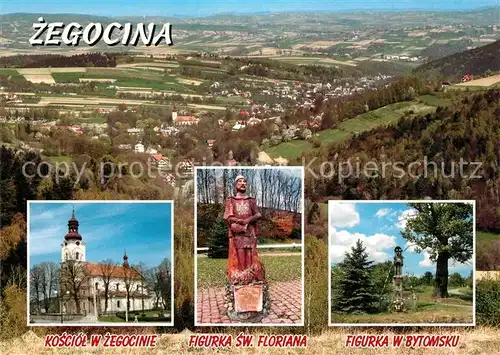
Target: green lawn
428,310
386,115
9,71
113,319
212,272
433,100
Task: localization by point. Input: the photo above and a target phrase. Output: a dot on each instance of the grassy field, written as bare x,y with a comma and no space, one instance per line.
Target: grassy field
386,115
433,100
313,61
455,309
111,319
212,272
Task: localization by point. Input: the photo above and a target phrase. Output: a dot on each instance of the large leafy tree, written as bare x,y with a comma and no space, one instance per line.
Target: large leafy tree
356,289
445,231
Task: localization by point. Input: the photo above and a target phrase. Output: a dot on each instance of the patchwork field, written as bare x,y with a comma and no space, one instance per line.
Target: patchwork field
155,64
40,78
90,100
87,80
313,61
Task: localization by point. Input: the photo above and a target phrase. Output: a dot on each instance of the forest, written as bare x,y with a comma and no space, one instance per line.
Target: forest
467,131
57,60
475,62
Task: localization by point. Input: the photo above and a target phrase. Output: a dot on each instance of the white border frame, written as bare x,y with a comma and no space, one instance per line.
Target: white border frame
196,324
473,324
103,324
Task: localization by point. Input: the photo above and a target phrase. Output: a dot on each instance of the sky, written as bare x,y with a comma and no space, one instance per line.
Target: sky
209,7
144,230
378,225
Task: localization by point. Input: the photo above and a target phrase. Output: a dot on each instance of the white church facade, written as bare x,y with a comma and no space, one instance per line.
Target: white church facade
87,280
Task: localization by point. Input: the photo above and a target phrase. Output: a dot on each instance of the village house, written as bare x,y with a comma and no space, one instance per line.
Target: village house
139,148
239,125
161,162
210,143
186,166
184,120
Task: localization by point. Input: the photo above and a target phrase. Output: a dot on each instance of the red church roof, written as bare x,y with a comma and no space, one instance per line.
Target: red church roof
118,271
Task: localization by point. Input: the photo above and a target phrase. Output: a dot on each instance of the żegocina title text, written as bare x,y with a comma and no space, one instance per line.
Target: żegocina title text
128,34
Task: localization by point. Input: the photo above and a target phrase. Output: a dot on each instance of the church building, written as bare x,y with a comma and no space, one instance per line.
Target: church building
83,282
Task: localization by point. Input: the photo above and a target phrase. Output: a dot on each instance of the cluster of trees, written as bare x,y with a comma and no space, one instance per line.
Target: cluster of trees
44,282
475,61
273,189
275,69
437,51
213,231
58,60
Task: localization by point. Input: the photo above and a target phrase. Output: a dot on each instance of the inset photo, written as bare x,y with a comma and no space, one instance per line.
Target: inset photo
401,263
249,257
100,263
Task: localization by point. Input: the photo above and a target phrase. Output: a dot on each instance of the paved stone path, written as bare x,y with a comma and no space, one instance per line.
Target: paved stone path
286,304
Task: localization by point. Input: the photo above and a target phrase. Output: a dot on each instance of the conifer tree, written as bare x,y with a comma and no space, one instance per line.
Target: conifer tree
356,289
218,242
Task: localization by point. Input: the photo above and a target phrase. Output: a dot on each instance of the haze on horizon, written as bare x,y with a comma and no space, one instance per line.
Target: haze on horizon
200,8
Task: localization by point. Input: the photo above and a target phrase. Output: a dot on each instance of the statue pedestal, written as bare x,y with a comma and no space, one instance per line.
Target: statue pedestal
248,298
247,302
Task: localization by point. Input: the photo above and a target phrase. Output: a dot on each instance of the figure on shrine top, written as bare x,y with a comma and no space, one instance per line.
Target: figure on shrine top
398,261
241,215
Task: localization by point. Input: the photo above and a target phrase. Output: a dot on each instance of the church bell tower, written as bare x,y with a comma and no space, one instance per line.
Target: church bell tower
73,248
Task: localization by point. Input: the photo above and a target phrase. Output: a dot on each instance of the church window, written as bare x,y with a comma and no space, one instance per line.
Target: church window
117,287
77,243
66,256
77,255
118,304
96,285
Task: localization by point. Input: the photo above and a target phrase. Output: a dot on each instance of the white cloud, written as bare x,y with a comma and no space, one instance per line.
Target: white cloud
376,245
405,216
343,215
383,212
427,262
